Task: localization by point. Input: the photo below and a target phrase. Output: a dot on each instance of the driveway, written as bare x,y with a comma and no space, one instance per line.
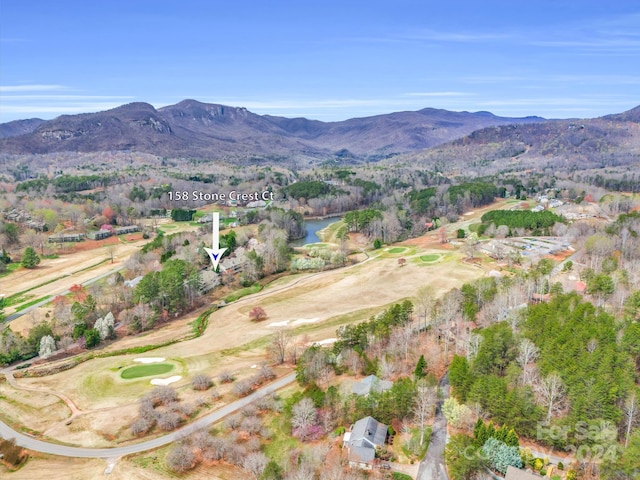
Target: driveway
432,466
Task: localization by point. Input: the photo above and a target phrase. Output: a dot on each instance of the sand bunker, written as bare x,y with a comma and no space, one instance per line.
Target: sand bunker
327,341
295,322
279,324
305,320
149,360
166,381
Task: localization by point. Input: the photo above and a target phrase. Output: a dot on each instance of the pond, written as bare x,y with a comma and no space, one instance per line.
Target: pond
313,227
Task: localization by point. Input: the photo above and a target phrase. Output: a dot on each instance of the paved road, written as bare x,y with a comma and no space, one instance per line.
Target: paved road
15,315
32,443
432,466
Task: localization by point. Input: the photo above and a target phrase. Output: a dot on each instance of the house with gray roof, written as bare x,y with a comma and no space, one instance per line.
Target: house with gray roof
514,473
371,384
362,441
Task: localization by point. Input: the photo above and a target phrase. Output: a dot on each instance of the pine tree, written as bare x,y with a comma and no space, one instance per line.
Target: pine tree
419,372
512,439
479,433
30,258
491,431
501,433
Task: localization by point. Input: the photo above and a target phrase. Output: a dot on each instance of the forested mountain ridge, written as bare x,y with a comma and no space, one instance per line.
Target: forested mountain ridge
19,127
196,129
609,141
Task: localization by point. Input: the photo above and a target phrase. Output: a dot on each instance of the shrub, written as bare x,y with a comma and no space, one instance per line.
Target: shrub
500,455
257,314
141,425
12,453
266,373
180,459
168,421
162,395
242,388
232,422
226,377
201,382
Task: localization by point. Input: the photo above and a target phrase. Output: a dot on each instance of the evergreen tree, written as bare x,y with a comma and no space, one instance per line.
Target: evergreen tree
479,433
30,258
92,338
419,372
460,377
512,439
272,471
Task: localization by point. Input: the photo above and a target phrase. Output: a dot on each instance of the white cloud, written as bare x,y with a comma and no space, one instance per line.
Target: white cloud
31,88
440,94
457,37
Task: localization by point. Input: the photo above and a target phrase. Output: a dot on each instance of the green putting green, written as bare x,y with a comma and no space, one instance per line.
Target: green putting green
432,257
149,370
397,250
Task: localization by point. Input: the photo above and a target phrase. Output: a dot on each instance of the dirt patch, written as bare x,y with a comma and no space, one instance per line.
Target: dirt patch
38,410
44,466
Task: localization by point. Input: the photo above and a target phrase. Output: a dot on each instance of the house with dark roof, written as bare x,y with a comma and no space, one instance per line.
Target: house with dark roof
362,441
371,384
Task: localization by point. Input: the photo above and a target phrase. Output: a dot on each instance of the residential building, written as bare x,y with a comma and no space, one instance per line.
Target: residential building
371,384
365,437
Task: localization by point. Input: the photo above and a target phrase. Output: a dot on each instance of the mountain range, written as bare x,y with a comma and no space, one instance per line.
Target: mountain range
194,129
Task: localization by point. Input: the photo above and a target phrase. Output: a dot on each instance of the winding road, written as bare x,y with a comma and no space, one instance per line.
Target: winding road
34,444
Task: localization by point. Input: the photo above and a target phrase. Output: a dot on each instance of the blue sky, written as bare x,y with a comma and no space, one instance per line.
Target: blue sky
321,59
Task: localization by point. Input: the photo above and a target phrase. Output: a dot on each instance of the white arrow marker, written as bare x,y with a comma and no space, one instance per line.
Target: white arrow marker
215,252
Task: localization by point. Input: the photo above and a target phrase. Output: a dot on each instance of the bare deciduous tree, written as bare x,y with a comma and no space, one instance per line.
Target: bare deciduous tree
226,377
630,410
527,354
280,345
255,463
304,416
181,458
423,408
551,392
425,301
201,382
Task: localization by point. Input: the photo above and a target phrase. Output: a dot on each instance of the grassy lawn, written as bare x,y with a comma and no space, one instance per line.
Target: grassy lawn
281,442
328,233
12,267
138,371
232,297
400,476
412,449
397,250
32,302
432,257
474,227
